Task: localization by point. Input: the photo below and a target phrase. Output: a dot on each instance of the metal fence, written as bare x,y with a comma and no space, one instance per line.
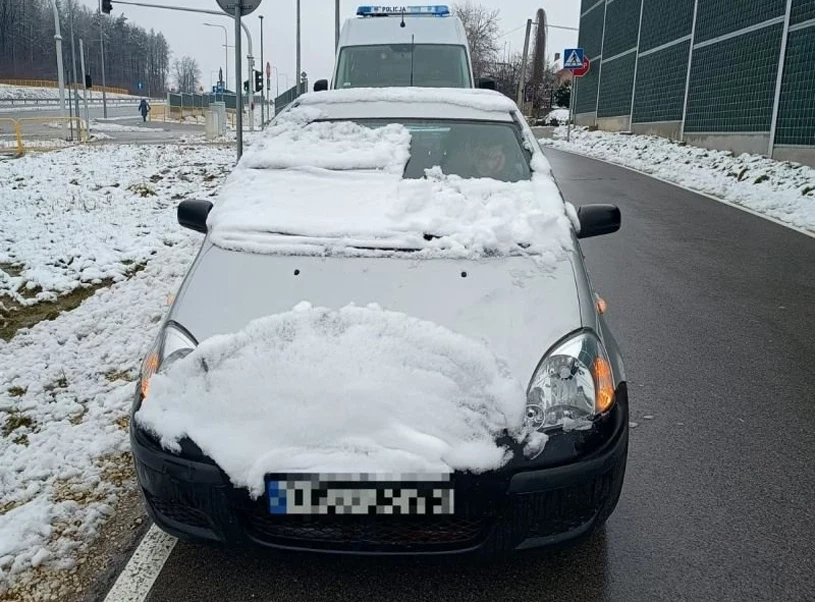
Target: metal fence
289,96
732,74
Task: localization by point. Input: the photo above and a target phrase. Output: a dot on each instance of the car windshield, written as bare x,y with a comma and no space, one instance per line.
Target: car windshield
469,149
426,65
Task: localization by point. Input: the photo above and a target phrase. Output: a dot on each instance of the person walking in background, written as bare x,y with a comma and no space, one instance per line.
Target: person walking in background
144,109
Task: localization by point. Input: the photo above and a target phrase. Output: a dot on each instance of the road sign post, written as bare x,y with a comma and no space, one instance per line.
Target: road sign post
575,60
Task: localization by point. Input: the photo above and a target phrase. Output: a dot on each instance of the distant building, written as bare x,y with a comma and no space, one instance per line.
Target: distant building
730,74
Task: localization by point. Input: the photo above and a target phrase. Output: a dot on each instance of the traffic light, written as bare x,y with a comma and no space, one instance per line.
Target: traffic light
88,81
258,81
246,86
107,6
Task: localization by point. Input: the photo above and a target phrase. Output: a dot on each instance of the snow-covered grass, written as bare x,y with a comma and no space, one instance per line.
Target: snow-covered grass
407,396
779,189
8,92
88,214
66,384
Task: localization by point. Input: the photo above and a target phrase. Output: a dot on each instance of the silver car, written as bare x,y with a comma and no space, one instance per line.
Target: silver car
543,318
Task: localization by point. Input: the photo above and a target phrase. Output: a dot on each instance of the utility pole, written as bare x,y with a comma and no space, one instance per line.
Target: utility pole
336,25
102,53
84,88
297,73
262,93
73,55
522,83
60,66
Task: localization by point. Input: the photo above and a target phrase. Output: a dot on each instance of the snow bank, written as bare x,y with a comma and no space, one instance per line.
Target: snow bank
471,98
779,189
66,385
9,92
348,391
86,214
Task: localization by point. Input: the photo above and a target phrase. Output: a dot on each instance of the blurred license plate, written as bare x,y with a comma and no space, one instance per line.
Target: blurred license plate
356,495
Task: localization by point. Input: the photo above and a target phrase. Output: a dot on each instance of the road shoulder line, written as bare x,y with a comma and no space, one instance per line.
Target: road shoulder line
141,571
700,193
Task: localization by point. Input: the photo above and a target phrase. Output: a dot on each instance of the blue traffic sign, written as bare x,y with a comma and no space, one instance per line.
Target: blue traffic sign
573,58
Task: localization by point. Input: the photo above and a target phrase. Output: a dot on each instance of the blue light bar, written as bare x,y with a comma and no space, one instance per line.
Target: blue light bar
434,10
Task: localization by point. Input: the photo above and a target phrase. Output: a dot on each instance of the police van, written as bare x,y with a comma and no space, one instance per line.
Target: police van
402,46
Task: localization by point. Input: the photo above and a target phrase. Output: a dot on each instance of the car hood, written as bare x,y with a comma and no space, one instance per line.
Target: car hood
518,306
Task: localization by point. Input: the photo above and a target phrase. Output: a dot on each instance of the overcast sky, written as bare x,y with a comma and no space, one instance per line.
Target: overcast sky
188,36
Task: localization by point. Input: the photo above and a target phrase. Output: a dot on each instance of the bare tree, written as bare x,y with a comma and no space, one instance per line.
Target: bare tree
187,74
482,27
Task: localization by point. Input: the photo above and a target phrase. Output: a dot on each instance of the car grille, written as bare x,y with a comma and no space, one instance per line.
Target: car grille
562,510
368,531
179,512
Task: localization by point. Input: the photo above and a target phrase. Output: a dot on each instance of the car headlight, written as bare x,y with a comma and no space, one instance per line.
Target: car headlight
574,381
172,344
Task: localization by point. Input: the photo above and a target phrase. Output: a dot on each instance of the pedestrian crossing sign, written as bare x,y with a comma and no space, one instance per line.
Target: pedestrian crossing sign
573,58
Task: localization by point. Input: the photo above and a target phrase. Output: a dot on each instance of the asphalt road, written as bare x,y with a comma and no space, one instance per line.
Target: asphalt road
714,309
118,115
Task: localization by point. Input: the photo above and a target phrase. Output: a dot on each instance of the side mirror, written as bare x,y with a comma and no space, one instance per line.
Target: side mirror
321,85
597,220
193,215
485,83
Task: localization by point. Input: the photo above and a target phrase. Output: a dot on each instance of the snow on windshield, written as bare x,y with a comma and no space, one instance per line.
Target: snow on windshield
360,389
338,188
295,141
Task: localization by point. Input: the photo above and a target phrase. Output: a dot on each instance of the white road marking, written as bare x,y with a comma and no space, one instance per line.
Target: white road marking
704,194
143,568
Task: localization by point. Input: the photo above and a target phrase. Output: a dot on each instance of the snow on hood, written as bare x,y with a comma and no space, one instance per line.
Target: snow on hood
348,391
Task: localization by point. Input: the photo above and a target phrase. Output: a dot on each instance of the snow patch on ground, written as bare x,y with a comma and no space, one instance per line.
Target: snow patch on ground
97,126
779,189
348,391
87,214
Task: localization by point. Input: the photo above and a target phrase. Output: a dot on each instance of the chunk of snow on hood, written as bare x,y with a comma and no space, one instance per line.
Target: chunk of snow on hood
355,390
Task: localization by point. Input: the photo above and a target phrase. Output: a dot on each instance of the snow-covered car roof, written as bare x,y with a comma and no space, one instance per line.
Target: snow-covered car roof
408,103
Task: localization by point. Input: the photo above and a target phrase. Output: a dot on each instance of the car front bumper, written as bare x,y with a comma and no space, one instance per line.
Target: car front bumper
521,506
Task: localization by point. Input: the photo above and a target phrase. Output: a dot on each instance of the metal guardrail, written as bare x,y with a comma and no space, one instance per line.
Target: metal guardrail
20,145
22,102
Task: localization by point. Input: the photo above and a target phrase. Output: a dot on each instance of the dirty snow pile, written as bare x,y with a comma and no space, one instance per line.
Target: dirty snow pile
337,188
779,189
355,390
89,214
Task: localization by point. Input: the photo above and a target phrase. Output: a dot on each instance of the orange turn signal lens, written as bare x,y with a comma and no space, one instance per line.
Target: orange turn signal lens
149,369
604,385
602,306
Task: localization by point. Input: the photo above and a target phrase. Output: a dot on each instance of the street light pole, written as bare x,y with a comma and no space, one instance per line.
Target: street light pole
84,88
336,25
262,88
102,52
60,67
238,83
226,48
73,55
297,74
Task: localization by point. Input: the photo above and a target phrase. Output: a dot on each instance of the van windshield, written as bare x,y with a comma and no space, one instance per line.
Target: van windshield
386,65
